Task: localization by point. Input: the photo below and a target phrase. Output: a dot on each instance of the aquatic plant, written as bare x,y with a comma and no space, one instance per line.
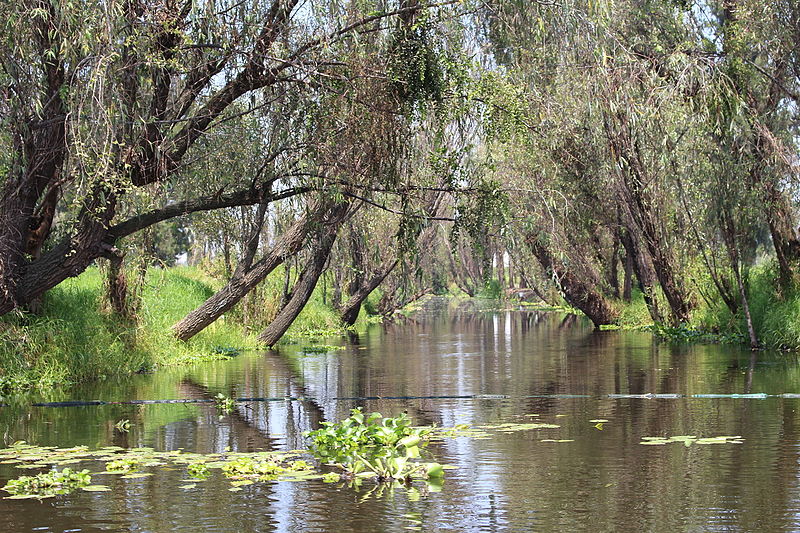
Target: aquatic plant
246,469
123,465
386,447
227,351
320,348
48,484
224,403
198,470
688,440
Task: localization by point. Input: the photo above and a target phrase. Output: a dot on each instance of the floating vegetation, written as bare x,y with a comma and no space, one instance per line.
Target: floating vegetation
371,445
48,484
688,440
459,431
123,466
198,470
226,351
362,446
224,404
245,470
331,477
511,427
320,348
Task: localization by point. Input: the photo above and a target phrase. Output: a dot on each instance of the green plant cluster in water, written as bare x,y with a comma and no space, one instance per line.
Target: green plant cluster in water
123,465
268,468
320,348
388,448
224,404
240,468
48,484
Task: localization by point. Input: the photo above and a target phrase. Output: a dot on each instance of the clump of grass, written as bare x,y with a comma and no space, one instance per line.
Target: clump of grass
634,314
775,312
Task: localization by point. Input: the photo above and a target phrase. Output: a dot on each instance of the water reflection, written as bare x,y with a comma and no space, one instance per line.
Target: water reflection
603,480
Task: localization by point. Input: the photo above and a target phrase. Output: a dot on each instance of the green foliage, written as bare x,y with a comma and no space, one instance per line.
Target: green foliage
198,470
74,340
48,484
684,333
775,312
124,465
384,446
634,314
224,404
491,290
264,468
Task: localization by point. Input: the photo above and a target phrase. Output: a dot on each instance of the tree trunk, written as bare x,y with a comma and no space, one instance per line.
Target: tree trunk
350,309
501,269
627,283
302,290
575,291
639,203
641,266
117,286
729,234
613,272
243,282
39,150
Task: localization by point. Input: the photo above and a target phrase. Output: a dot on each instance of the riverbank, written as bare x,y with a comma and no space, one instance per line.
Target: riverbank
75,339
775,315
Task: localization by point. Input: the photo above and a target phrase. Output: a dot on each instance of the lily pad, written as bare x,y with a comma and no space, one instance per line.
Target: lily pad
96,488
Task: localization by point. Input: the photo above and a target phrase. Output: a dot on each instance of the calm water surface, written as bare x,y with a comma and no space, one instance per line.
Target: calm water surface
602,481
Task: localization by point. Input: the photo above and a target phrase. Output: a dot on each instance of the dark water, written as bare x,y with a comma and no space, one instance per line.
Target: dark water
602,481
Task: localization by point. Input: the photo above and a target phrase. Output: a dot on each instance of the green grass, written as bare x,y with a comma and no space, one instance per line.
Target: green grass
74,340
634,314
775,313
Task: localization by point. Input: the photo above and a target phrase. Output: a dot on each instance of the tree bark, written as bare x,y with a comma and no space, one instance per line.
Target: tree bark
627,283
729,234
640,263
243,282
575,291
117,286
302,290
349,311
501,269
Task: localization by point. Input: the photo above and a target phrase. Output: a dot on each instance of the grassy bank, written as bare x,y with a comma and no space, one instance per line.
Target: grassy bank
75,339
775,314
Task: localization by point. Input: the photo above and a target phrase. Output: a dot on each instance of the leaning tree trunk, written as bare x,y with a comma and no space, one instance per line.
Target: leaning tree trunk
575,290
729,234
302,290
242,283
640,263
349,311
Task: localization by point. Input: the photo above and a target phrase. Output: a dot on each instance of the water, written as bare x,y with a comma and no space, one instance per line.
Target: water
603,480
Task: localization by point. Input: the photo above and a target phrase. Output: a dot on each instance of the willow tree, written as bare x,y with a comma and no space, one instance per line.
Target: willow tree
106,99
